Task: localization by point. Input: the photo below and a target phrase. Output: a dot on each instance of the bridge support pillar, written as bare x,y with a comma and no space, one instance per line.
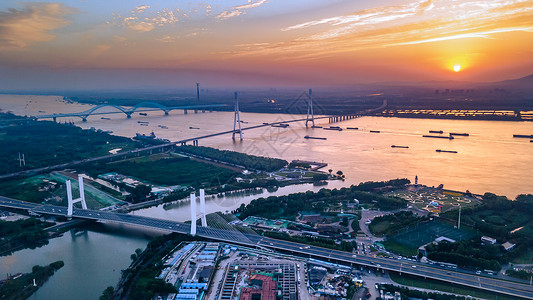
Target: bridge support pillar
166,112
202,207
84,119
194,215
237,119
310,111
71,201
55,119
185,112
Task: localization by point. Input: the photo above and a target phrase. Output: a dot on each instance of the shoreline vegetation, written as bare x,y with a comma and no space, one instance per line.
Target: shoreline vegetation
22,286
46,143
22,234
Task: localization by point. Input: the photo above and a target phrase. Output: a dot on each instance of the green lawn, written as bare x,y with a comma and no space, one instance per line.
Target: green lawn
167,170
396,247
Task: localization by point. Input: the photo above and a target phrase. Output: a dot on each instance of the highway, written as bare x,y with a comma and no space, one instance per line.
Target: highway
404,267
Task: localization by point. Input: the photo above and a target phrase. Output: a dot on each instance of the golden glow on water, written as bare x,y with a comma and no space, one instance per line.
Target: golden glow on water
488,160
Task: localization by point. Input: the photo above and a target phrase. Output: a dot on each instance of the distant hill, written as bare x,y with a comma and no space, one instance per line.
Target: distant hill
519,83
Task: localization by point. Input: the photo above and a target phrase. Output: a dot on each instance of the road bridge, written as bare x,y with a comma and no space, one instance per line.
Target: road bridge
459,277
128,111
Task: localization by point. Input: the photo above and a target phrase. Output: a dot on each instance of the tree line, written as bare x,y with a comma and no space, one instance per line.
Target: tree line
248,161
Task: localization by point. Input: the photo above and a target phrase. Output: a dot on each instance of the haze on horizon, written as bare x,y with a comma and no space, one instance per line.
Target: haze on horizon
80,44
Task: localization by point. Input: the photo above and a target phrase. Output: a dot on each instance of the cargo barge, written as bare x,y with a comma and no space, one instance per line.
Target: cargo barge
439,137
314,138
333,128
436,131
459,134
396,146
375,131
525,136
446,151
353,128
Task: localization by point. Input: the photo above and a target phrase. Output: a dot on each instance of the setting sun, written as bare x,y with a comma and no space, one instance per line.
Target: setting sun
457,68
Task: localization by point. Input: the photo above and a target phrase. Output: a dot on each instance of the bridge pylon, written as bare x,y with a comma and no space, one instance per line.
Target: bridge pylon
80,199
195,216
237,118
310,113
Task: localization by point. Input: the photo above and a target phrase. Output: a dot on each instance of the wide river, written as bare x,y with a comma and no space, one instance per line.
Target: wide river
489,159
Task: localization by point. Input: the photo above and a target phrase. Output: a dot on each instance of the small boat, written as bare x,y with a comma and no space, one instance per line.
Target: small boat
244,122
104,118
396,146
314,137
316,126
162,126
459,134
282,125
353,128
142,122
446,151
375,131
439,137
143,114
436,131
190,127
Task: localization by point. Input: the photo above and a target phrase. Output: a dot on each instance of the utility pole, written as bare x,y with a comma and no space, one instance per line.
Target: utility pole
22,160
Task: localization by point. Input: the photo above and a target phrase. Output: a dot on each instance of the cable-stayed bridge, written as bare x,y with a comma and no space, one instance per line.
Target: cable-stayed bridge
464,278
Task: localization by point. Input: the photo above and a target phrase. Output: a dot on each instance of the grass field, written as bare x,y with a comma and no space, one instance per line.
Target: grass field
435,285
424,233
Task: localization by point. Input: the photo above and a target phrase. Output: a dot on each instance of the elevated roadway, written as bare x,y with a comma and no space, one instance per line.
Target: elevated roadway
459,277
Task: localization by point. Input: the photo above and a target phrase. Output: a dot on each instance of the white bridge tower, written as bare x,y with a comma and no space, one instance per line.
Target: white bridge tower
80,199
310,112
237,118
202,214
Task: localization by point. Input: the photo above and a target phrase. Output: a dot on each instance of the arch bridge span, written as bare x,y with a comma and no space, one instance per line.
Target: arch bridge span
128,111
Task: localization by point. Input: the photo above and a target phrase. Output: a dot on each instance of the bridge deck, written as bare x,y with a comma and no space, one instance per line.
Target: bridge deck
414,268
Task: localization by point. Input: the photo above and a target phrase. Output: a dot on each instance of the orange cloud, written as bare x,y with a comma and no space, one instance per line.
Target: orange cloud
417,22
32,24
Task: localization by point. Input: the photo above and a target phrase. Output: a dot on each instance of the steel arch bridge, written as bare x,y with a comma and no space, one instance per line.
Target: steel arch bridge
128,111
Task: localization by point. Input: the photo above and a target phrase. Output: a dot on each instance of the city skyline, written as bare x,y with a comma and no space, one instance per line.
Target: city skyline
100,44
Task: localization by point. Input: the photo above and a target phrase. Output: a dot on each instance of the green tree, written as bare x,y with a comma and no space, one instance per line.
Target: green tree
107,294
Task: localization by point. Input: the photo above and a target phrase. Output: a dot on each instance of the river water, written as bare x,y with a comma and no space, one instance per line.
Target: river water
490,159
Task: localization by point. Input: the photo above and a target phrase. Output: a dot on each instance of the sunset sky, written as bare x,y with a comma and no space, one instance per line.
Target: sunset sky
81,44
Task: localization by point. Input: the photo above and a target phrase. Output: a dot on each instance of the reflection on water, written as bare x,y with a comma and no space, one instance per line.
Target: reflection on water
93,260
490,159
